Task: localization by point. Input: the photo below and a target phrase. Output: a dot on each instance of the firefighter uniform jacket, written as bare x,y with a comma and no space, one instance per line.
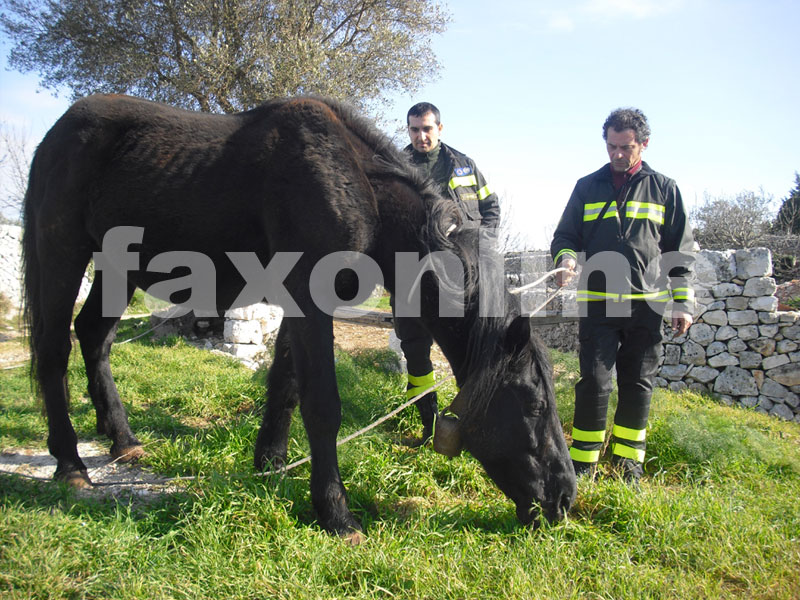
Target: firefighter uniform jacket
644,222
467,186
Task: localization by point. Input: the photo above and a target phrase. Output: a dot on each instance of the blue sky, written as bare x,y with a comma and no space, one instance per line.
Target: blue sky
526,85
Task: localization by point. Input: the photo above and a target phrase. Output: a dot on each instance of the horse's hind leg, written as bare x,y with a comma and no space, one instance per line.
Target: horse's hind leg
282,399
96,334
51,314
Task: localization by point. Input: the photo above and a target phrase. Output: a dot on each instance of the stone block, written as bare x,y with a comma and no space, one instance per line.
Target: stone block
753,262
702,333
716,317
769,331
737,303
749,401
765,403
243,332
774,389
768,318
787,374
775,361
693,354
783,412
759,286
737,318
715,266
750,360
786,346
725,333
791,332
672,354
673,372
703,374
723,360
763,345
748,332
723,290
716,348
736,382
736,345
764,303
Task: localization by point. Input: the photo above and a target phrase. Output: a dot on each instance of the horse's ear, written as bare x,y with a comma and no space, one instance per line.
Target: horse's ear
519,334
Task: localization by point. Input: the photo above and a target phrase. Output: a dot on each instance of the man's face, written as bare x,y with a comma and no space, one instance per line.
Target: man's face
623,149
424,132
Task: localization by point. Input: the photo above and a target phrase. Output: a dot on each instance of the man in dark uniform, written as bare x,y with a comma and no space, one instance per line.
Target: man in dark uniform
460,179
628,225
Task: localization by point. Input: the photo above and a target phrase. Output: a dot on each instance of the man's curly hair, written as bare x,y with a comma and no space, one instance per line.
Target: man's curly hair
628,118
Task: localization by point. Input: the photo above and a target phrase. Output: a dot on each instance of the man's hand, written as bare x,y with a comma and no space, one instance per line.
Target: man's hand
681,321
564,277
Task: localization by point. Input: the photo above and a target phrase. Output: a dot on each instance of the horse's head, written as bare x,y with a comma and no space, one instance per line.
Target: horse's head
515,432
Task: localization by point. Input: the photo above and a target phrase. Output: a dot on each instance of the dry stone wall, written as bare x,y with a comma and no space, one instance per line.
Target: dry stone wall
741,347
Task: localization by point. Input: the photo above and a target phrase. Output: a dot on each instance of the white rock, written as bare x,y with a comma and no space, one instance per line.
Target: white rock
753,262
716,317
759,286
723,360
737,318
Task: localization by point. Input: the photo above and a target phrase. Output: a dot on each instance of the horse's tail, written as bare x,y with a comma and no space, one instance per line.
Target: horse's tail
31,270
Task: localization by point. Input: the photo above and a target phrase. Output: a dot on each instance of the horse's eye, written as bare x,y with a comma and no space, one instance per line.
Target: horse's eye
536,409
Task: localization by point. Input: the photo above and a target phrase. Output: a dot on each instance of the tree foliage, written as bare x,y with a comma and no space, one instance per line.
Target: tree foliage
225,55
788,219
727,222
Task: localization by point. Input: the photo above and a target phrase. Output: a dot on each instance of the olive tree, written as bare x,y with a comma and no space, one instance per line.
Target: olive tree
226,55
725,222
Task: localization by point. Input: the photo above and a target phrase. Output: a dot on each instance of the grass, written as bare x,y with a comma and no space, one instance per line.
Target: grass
717,514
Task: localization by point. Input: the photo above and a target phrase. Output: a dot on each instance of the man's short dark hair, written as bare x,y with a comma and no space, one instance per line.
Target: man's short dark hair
420,109
628,118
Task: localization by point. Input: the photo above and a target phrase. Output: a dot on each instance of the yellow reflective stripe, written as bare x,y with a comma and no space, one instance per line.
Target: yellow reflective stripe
645,210
587,456
465,181
566,251
627,452
420,383
683,294
660,296
589,296
626,433
592,210
580,435
484,193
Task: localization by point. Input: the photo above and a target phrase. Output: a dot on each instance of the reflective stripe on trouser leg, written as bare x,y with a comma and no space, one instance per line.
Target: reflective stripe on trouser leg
637,364
598,346
418,384
629,443
586,445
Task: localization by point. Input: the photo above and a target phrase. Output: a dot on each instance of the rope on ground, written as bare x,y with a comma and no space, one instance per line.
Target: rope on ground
284,470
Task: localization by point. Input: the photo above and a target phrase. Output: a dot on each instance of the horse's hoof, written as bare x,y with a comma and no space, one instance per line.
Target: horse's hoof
78,480
128,454
354,538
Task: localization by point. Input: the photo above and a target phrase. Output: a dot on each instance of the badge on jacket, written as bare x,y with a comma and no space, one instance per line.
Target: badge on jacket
463,171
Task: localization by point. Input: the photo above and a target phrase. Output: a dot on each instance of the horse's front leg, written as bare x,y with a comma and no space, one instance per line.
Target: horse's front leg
311,341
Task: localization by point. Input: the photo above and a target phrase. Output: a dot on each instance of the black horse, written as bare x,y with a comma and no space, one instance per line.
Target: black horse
304,176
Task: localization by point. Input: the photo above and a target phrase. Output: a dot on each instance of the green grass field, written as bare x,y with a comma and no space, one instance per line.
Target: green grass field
717,514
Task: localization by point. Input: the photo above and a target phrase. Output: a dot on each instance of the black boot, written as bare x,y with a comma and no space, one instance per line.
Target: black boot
428,407
629,469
